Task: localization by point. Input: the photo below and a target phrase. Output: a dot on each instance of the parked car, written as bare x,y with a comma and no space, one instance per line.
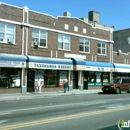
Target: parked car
117,85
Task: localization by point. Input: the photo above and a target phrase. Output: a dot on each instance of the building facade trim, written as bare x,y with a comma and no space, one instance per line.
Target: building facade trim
54,30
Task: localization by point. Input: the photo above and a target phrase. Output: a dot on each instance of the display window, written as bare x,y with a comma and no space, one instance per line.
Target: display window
96,78
105,78
91,78
37,74
51,78
63,76
10,78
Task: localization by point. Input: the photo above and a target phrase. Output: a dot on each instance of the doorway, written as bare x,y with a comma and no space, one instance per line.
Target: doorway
75,79
30,81
85,80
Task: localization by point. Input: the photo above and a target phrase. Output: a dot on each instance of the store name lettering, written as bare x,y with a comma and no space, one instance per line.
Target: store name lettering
64,67
45,66
9,62
52,66
101,69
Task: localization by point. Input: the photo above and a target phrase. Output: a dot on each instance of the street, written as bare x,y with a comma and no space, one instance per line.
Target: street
70,112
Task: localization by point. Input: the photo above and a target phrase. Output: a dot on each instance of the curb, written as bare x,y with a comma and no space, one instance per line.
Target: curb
18,96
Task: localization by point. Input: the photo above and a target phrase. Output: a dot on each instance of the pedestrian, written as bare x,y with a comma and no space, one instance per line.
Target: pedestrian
39,84
65,85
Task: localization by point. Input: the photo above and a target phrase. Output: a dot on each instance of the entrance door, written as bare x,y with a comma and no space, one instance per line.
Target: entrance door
85,80
75,79
30,81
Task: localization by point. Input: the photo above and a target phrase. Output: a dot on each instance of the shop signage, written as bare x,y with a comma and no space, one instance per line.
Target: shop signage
122,70
50,66
99,69
17,64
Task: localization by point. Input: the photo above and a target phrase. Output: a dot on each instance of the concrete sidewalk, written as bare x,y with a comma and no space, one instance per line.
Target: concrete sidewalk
18,96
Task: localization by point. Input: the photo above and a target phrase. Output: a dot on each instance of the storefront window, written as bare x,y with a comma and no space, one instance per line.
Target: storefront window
105,77
37,74
96,78
91,78
51,78
10,77
63,76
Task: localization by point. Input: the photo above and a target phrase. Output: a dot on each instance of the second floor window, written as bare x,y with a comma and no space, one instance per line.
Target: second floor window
63,42
101,46
84,45
7,32
39,36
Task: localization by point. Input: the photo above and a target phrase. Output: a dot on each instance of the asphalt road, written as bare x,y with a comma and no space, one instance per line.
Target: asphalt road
71,112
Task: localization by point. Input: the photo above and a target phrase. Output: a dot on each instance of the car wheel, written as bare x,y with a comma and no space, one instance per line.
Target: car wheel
118,91
104,92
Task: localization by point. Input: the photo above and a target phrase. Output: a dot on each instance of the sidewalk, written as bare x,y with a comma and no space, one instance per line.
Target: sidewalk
18,96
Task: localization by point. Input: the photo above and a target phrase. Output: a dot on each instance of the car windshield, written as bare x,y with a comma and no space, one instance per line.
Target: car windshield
115,81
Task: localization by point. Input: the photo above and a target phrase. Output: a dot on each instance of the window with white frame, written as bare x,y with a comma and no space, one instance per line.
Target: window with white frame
40,37
84,45
63,41
66,26
101,48
75,28
84,30
7,32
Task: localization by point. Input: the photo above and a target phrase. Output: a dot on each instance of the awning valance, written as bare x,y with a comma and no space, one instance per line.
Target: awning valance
121,67
12,60
49,63
99,66
78,64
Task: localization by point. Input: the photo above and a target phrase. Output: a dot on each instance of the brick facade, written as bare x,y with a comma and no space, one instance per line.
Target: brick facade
15,14
121,42
25,20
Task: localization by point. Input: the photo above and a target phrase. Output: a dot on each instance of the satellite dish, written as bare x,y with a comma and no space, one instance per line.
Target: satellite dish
119,51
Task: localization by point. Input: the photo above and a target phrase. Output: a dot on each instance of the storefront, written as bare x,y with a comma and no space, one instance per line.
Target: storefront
51,70
121,70
97,73
10,70
79,65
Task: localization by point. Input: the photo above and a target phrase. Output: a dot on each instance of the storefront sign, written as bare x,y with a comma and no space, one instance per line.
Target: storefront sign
17,64
50,66
105,69
122,70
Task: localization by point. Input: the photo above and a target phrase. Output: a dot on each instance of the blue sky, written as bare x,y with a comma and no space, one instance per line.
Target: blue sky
112,12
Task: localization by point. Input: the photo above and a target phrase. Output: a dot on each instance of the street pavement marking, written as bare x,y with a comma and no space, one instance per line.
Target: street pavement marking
4,113
2,121
53,106
33,123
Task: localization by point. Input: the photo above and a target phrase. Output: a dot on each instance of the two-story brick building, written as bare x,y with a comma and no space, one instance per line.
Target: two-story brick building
56,48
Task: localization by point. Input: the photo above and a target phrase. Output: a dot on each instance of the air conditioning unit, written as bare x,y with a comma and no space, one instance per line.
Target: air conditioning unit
9,41
35,44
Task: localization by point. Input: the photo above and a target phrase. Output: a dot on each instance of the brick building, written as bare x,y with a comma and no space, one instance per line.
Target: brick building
121,52
79,50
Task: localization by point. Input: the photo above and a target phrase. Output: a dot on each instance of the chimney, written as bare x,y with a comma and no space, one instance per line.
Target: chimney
67,14
94,16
